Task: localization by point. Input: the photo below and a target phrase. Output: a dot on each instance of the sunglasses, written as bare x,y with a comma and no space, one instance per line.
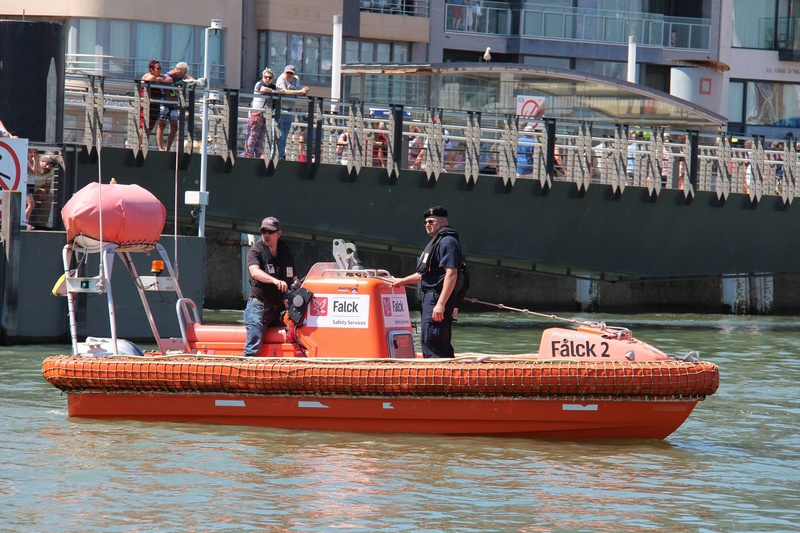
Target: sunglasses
430,221
269,231
268,77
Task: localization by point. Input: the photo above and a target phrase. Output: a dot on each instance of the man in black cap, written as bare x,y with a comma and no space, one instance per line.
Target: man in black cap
437,274
272,271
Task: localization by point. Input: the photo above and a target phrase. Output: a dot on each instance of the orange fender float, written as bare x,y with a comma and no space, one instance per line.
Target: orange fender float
459,378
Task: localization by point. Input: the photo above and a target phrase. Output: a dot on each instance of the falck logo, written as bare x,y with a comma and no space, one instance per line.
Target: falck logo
387,307
319,307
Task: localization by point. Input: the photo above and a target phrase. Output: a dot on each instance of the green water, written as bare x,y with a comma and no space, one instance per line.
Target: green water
733,466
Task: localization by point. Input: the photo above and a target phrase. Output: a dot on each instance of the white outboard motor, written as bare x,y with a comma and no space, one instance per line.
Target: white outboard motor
104,346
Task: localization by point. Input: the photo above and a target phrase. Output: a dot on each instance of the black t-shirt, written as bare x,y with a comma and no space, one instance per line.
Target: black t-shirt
279,266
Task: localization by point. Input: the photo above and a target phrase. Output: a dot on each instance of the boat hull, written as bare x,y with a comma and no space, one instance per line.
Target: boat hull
466,396
542,418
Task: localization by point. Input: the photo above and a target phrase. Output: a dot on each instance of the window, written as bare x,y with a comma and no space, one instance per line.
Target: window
313,54
119,46
612,69
735,101
310,54
182,42
276,59
375,52
542,61
149,44
87,36
311,58
383,53
378,88
352,53
367,53
131,45
773,104
754,24
401,53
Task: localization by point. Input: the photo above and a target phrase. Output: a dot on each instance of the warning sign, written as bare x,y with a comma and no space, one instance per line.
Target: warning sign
530,109
12,152
13,168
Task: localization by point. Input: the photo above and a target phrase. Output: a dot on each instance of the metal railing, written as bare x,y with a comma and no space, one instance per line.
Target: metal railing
412,8
581,24
40,198
490,18
475,145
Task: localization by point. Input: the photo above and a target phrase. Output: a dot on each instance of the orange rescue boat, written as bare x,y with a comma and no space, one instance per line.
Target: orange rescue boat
346,360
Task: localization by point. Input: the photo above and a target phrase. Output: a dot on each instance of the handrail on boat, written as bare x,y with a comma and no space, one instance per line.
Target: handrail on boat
182,309
363,273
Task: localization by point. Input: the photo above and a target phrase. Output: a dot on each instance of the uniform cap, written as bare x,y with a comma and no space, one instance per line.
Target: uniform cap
270,223
436,211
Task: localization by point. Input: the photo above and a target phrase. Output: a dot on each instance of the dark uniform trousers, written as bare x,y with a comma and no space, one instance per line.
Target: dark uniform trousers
436,336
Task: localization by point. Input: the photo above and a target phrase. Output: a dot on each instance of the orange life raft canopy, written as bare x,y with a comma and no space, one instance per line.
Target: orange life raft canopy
131,216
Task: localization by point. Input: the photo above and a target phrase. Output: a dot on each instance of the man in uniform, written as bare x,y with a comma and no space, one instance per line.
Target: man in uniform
272,271
437,274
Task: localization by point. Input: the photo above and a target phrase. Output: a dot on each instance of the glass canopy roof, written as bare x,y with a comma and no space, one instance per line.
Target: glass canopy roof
489,87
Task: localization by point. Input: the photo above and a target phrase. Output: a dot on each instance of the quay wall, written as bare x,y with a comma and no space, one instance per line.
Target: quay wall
211,273
31,314
524,289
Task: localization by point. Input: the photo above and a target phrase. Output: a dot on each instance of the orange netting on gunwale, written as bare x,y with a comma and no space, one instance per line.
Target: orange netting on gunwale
385,377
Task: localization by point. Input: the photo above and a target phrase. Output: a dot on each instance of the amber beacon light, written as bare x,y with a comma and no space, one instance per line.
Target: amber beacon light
157,267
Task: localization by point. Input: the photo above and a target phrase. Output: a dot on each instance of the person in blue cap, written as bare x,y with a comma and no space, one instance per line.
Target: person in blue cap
437,274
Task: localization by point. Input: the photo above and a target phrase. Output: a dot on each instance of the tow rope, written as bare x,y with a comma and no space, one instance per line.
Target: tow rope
589,323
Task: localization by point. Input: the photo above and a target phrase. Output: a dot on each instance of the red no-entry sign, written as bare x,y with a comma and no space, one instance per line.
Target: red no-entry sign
11,177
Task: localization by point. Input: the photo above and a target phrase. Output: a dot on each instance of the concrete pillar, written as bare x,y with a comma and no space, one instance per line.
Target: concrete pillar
751,294
735,294
761,294
698,85
631,59
587,293
336,66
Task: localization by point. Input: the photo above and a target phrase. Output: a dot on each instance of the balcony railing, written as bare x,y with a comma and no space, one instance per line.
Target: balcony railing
476,145
411,8
579,24
492,18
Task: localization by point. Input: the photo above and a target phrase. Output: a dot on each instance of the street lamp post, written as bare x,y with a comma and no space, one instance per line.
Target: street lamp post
216,24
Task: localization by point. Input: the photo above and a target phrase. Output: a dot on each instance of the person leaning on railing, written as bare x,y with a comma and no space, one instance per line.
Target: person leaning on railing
168,112
289,85
415,145
257,122
148,118
525,150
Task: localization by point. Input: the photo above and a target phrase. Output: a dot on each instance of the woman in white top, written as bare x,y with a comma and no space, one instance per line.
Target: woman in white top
257,122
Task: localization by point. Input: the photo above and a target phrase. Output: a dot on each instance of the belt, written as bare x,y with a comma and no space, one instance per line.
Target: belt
274,306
